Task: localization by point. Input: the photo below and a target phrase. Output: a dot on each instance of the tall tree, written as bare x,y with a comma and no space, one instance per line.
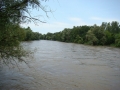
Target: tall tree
91,38
12,13
115,27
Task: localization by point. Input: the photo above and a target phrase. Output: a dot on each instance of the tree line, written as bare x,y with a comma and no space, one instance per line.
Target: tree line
105,34
29,35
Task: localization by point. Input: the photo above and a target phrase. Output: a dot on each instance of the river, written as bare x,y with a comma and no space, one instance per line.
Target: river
64,66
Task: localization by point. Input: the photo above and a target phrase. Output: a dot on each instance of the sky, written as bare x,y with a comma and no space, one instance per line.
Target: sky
69,13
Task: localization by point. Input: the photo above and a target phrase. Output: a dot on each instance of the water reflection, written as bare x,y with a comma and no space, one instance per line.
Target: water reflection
65,66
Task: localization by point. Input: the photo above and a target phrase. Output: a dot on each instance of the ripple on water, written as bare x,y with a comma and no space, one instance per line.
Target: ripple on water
65,66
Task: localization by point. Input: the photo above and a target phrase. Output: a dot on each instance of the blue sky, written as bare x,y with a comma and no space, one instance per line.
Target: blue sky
69,13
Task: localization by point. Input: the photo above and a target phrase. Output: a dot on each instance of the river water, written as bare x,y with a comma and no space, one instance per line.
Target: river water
64,66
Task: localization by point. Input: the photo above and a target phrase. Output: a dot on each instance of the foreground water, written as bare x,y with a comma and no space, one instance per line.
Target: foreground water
64,66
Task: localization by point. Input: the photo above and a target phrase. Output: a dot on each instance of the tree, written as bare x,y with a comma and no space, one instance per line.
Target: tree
29,34
117,40
12,13
109,38
91,38
83,30
10,47
98,32
49,36
78,39
57,36
36,36
14,10
115,27
65,35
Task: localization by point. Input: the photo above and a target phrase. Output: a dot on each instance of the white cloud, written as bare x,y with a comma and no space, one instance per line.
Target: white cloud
55,26
104,19
48,27
75,19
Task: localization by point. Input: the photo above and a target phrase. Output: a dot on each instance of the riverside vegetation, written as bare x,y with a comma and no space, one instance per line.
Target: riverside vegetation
105,34
12,14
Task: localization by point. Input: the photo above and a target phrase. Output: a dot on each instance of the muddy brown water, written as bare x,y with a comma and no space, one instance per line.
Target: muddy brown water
64,66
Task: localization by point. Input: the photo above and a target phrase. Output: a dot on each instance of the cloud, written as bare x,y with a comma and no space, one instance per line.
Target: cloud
48,27
104,19
55,26
77,21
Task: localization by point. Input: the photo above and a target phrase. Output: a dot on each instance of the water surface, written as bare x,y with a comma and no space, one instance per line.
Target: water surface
64,66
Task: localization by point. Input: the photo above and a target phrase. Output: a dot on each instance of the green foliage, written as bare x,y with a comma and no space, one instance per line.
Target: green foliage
36,36
65,35
98,31
30,35
10,39
57,36
117,40
11,53
11,35
91,38
49,36
12,13
115,27
106,34
78,39
109,37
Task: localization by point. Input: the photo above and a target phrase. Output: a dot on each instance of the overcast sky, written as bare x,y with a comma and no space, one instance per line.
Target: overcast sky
69,13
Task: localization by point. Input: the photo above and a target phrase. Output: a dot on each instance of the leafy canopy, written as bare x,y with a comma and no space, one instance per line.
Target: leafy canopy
12,13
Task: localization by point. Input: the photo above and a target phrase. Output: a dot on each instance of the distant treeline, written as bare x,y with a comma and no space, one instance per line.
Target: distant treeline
105,34
25,34
30,35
